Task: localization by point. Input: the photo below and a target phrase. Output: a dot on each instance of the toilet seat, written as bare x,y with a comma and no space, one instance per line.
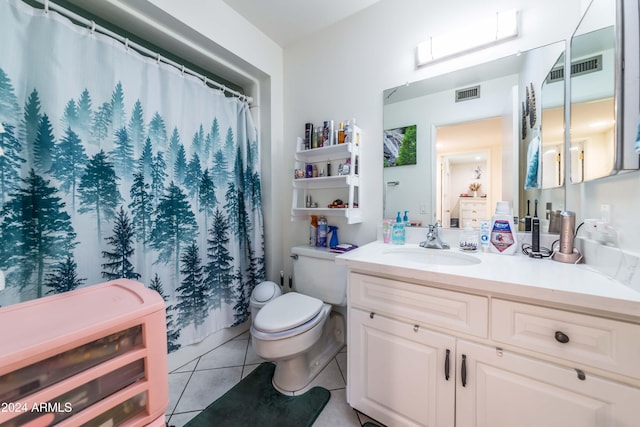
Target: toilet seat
288,315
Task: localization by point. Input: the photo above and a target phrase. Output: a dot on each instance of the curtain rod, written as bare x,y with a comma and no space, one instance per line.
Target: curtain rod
48,5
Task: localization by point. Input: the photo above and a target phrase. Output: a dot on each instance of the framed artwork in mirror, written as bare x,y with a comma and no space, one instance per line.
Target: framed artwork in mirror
399,146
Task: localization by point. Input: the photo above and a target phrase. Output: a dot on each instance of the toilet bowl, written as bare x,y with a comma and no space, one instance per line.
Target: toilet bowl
300,332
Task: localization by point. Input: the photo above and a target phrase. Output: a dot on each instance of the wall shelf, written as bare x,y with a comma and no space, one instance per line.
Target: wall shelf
344,186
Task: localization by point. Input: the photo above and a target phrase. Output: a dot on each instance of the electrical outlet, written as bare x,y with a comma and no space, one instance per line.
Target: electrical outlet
605,213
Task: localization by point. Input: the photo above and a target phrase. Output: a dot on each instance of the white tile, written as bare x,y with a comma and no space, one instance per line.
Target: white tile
186,367
243,336
341,358
337,412
177,383
206,386
179,420
231,353
248,369
330,377
252,358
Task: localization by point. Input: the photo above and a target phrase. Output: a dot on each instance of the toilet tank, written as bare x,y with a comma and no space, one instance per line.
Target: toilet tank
316,274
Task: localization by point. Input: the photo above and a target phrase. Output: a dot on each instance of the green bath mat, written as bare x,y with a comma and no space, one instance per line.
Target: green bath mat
254,402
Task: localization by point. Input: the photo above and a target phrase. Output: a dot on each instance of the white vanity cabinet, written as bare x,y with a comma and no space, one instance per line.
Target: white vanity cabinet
426,356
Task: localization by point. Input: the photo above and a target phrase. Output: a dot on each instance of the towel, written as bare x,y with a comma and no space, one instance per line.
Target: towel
532,180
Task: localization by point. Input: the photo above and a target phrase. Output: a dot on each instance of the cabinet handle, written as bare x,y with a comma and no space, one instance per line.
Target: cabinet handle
415,328
561,337
463,371
371,315
446,365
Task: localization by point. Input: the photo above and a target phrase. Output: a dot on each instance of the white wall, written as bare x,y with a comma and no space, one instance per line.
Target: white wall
342,71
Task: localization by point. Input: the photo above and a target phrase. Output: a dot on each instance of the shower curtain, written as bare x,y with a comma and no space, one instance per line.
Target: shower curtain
113,164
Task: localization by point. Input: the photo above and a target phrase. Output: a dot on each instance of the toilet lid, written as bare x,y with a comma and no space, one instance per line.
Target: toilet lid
288,311
265,291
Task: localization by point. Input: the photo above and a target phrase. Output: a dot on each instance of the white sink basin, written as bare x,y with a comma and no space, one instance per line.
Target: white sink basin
429,256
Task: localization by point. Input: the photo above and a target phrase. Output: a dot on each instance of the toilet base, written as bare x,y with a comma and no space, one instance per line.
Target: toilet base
293,376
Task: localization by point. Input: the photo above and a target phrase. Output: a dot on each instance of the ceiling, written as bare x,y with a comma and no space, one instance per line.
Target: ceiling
286,21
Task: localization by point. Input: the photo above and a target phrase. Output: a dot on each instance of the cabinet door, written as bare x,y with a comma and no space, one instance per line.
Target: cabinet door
396,372
505,390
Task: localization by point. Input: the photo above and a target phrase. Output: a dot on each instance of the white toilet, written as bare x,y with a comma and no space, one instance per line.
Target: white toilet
300,331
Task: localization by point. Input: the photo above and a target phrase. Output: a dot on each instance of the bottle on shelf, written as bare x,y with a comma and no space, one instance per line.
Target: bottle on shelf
341,133
322,232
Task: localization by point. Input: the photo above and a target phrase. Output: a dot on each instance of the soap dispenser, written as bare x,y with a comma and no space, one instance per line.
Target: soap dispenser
398,231
406,221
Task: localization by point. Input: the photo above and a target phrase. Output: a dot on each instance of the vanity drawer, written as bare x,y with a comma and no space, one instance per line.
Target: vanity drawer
603,343
421,304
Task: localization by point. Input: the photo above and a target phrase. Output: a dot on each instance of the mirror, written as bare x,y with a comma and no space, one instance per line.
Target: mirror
552,132
451,113
593,94
604,97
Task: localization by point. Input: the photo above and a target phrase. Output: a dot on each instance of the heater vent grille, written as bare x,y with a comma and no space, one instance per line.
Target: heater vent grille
468,93
584,66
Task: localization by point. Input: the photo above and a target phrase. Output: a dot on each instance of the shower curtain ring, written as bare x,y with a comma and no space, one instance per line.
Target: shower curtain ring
158,58
46,6
93,27
223,89
126,44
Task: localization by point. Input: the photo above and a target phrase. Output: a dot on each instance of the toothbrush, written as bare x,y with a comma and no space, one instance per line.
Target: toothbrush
535,211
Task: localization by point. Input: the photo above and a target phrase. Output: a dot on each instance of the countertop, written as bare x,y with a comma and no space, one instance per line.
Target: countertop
568,286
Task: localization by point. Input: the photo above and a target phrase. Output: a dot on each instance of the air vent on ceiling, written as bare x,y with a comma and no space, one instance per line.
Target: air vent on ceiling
468,93
578,68
556,75
585,66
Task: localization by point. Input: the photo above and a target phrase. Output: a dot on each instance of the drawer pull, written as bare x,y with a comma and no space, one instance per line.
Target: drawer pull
463,370
446,365
415,328
371,315
561,337
581,375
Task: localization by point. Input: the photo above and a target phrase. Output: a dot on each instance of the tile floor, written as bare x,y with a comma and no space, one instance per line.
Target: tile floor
195,385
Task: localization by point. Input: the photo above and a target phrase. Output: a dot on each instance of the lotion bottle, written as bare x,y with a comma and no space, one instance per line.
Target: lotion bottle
504,237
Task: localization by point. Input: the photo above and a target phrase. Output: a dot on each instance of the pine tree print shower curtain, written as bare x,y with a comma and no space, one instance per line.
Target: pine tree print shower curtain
115,165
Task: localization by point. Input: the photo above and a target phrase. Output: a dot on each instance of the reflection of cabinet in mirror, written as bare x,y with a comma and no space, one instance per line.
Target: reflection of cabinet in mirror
473,210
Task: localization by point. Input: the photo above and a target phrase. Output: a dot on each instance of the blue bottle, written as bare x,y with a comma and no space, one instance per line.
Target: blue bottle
397,231
334,236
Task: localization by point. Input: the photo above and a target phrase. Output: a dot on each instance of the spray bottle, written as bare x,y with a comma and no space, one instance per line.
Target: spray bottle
334,236
322,232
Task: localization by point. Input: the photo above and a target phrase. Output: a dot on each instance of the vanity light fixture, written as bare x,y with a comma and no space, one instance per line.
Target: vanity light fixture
485,31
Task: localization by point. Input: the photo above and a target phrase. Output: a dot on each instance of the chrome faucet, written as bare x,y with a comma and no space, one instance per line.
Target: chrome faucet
433,238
